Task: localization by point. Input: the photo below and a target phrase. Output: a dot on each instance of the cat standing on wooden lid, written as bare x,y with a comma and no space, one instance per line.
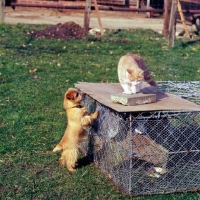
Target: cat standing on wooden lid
131,72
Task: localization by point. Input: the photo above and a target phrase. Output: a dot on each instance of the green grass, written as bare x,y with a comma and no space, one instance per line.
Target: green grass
32,119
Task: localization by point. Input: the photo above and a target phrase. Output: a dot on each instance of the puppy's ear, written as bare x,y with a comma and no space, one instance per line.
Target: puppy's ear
70,96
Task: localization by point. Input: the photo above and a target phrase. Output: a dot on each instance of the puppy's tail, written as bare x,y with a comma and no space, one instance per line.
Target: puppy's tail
57,148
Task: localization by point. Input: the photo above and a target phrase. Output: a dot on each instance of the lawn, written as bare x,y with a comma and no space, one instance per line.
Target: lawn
32,119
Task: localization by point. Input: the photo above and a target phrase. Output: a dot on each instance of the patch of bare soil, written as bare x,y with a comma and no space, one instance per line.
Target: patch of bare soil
66,31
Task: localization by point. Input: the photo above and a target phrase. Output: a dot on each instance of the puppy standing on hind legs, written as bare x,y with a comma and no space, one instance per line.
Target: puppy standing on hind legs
78,121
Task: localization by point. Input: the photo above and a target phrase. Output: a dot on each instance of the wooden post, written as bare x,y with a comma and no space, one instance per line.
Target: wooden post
2,11
172,23
138,5
183,19
167,7
87,15
148,6
98,16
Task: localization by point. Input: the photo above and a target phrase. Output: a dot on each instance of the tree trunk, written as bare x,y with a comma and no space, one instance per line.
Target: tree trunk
2,10
172,24
87,15
168,4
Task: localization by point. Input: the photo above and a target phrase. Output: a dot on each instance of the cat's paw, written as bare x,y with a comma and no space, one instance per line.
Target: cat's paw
127,92
134,90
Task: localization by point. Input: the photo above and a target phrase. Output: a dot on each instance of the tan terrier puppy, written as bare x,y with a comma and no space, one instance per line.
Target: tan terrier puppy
78,121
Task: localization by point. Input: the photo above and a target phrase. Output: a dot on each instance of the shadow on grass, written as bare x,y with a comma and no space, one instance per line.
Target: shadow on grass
189,43
83,162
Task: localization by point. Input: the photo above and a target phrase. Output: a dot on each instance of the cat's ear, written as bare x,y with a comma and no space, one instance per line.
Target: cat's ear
130,71
141,73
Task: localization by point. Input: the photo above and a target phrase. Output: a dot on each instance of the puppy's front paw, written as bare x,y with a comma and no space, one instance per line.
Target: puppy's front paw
95,114
84,111
85,121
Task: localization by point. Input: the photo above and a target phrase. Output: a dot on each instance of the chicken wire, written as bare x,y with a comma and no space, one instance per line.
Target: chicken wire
189,90
128,147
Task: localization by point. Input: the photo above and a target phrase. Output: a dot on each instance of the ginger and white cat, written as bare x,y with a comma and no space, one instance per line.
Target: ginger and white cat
131,72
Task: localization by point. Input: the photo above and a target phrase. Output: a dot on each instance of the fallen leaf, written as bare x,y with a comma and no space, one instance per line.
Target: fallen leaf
39,170
35,77
32,71
61,113
193,49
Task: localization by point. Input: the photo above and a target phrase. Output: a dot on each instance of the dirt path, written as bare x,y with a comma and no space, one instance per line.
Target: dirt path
110,19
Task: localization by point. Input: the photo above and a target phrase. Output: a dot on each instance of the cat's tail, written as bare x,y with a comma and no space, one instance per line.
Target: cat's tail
153,83
142,65
148,79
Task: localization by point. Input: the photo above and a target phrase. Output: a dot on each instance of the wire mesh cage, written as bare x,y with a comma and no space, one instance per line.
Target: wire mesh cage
148,152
